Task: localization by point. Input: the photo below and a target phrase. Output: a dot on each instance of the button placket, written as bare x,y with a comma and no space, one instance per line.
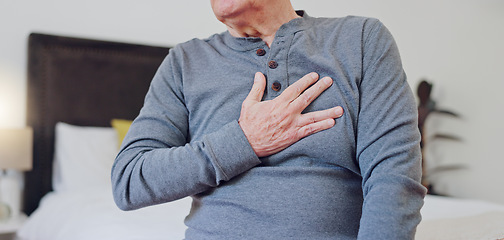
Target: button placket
277,66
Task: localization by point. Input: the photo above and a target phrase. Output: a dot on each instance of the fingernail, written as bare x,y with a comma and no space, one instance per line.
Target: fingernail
339,111
331,122
257,76
327,80
314,75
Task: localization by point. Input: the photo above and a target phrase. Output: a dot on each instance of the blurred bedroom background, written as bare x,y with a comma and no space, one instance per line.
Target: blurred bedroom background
455,45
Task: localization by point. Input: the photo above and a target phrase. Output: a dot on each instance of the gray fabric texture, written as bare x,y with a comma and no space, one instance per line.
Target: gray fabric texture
359,179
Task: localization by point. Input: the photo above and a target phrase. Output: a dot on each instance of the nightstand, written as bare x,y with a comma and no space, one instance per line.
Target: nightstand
9,227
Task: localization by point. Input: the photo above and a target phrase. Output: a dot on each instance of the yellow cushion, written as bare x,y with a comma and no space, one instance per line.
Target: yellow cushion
121,126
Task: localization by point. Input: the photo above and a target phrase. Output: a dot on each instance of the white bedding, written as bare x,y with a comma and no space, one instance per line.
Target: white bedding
91,214
446,218
82,207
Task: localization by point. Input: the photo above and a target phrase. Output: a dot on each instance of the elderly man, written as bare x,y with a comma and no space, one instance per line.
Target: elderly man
241,122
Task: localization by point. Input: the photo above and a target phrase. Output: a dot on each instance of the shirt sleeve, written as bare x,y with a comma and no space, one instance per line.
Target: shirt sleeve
158,163
388,150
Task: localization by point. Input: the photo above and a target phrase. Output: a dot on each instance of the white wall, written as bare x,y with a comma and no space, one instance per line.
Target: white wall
456,44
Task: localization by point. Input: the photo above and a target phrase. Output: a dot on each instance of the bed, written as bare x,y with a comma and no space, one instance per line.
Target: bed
76,88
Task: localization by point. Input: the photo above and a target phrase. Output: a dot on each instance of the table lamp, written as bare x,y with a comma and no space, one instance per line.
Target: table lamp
16,149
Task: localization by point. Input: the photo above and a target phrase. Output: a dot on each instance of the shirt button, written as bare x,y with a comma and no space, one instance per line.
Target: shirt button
273,64
260,52
276,86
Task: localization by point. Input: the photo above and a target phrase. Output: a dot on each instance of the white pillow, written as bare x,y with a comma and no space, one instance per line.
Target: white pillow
83,156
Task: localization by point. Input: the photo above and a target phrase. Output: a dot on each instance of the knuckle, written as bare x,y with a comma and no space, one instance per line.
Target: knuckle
255,91
309,130
299,90
306,130
306,98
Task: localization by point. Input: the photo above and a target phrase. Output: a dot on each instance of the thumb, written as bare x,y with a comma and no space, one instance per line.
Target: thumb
257,91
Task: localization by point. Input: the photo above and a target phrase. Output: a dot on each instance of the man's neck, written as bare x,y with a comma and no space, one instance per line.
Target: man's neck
263,24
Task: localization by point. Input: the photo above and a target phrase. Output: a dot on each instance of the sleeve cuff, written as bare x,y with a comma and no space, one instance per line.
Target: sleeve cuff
231,151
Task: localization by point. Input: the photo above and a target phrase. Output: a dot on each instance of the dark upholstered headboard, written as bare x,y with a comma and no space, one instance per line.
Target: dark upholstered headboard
81,82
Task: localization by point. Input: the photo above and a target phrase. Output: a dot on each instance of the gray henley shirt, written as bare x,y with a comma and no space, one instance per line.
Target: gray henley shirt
359,179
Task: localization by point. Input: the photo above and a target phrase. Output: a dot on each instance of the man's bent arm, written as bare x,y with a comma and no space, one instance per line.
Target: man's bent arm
388,148
157,164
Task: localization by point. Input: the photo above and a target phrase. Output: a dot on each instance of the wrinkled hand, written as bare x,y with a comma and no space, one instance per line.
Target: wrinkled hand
271,126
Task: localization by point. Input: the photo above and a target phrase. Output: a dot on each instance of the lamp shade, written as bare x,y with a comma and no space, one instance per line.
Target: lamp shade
16,148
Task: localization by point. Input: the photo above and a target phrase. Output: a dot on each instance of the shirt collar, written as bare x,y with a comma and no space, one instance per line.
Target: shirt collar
250,43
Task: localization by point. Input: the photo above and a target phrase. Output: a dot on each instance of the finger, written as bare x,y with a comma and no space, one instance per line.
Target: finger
315,127
257,91
311,94
313,117
293,91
